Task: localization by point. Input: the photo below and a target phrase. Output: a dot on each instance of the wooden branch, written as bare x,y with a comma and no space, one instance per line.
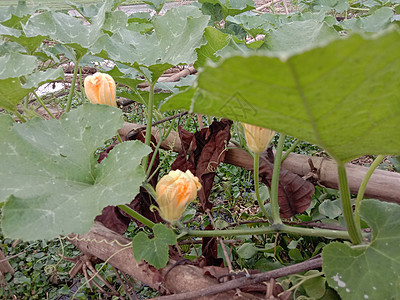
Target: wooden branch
184,281
383,185
175,77
116,250
5,266
310,264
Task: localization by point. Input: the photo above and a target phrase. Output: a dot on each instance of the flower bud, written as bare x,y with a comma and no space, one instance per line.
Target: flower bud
257,138
174,193
100,89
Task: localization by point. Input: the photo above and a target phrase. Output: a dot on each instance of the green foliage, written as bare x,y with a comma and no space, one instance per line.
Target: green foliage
157,5
336,105
53,181
304,79
223,8
358,271
155,250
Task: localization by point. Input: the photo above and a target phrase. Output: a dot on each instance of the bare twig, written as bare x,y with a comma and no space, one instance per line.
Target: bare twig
122,283
219,239
267,5
185,72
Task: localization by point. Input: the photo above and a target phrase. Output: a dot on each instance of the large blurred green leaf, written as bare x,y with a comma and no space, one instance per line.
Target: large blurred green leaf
344,97
51,179
371,272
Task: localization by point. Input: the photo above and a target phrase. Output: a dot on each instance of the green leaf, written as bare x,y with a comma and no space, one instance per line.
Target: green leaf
155,250
231,7
16,65
368,271
216,40
294,36
328,5
157,5
67,29
329,209
176,36
12,90
38,78
4,30
376,22
253,24
50,176
247,250
315,287
343,97
115,20
11,93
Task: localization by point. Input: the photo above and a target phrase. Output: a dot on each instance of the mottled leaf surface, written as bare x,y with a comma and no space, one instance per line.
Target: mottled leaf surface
373,271
176,36
51,179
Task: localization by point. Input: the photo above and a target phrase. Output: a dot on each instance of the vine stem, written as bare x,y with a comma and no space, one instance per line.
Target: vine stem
43,105
354,232
149,122
20,116
136,215
275,180
283,228
362,188
291,149
72,90
162,137
256,183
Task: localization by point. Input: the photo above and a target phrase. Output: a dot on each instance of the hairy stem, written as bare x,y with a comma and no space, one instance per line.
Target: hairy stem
149,122
136,215
72,89
283,228
362,188
291,149
43,105
275,180
354,232
256,184
162,137
21,117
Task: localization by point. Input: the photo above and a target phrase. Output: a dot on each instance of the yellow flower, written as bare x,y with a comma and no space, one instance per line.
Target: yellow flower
174,192
100,89
257,138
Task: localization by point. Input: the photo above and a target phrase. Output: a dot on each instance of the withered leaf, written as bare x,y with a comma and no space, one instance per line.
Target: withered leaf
201,153
209,249
294,194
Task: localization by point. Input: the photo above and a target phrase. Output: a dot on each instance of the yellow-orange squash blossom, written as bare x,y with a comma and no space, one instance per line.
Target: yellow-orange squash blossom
257,138
100,89
174,192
